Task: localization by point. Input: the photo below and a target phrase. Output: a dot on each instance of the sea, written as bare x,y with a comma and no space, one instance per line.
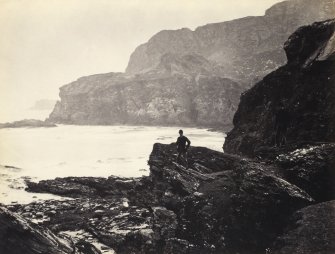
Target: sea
68,150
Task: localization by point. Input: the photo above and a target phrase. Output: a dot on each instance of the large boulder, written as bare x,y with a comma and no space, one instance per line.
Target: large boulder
224,202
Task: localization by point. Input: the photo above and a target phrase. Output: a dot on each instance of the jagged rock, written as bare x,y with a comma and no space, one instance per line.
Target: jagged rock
84,247
311,168
237,202
20,236
311,230
304,87
221,202
30,123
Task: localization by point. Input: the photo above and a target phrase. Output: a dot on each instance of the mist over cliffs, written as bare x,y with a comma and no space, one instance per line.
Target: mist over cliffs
243,49
191,78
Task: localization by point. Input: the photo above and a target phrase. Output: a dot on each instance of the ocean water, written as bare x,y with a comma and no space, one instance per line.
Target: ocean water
67,150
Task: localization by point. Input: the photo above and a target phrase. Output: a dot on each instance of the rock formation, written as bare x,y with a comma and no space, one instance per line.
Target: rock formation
186,77
180,91
246,49
20,236
304,87
221,203
311,230
27,123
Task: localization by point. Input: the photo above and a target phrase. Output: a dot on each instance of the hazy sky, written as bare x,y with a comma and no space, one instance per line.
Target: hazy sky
45,44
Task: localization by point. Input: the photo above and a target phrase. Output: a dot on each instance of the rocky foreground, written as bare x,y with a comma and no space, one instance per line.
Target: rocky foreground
259,199
221,204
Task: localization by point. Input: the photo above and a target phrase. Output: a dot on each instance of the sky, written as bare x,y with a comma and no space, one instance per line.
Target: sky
45,44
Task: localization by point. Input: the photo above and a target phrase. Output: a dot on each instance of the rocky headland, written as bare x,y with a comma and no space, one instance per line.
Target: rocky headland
189,78
258,198
27,123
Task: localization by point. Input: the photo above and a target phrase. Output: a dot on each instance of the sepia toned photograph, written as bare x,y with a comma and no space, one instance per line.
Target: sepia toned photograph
167,127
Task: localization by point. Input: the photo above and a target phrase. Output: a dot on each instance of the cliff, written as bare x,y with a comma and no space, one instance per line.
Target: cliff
182,90
245,49
304,88
190,78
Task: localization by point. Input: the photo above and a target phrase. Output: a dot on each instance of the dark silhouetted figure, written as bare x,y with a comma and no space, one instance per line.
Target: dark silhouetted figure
282,122
183,143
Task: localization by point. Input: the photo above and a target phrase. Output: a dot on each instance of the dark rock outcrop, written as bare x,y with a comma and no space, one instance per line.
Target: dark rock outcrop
304,87
226,208
312,168
311,231
191,78
29,123
20,236
220,203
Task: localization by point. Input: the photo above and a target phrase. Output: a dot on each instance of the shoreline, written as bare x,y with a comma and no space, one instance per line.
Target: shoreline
113,210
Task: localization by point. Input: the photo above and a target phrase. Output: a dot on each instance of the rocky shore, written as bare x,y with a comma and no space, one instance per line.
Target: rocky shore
258,198
221,204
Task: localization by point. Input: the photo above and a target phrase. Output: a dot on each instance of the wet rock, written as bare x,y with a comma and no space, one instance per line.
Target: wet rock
50,213
312,168
86,248
39,215
238,204
20,236
221,202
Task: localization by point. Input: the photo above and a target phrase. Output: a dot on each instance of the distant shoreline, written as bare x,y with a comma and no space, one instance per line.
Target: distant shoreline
33,123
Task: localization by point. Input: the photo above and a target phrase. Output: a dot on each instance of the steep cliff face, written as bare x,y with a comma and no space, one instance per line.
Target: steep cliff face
245,49
181,90
186,77
304,88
